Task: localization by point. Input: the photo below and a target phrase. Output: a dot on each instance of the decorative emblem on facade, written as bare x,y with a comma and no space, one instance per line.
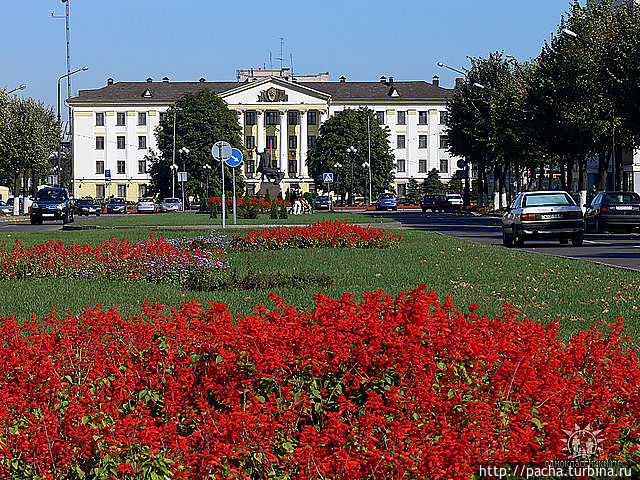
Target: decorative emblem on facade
273,95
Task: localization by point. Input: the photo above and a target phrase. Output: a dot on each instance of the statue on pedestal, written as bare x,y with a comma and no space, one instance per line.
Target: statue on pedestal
266,169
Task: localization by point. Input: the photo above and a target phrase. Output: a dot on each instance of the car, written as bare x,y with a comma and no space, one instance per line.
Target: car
51,203
171,205
543,215
435,202
387,201
613,209
146,205
323,202
5,209
455,200
194,204
87,206
116,205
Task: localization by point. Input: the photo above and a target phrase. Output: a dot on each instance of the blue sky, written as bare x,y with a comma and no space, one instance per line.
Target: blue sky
185,40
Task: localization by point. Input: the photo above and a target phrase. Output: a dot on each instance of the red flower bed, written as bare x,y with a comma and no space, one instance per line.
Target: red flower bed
260,202
319,234
394,387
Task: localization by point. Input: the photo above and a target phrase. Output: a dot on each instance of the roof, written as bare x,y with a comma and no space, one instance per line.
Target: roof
162,92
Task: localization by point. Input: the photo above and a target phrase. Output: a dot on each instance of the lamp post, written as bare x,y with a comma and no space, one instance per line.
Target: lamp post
207,167
174,168
352,153
59,121
19,87
368,165
337,166
184,151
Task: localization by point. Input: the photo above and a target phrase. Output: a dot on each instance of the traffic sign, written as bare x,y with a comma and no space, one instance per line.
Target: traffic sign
327,177
461,174
235,159
107,174
221,151
462,164
182,176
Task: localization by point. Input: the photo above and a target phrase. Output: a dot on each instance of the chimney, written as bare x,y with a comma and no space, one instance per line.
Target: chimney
436,81
459,82
109,81
383,79
343,79
149,80
390,81
165,79
202,80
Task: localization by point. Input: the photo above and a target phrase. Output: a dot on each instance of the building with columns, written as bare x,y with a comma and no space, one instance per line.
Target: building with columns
113,127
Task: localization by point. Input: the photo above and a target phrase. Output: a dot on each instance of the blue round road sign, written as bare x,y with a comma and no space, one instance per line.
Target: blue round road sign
461,163
235,159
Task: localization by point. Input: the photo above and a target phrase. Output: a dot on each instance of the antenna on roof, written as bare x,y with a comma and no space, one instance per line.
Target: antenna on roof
280,57
270,61
291,64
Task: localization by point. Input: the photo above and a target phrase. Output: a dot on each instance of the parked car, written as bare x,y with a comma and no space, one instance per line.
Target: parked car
543,215
613,209
87,206
5,209
171,205
387,201
455,200
323,202
116,205
435,202
146,205
194,204
51,203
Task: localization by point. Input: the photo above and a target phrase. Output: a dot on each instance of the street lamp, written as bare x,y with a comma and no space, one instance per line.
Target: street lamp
174,169
440,64
368,165
59,121
184,151
337,166
20,87
352,153
207,167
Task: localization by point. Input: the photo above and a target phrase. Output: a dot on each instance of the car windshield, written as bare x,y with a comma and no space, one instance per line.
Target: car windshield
322,199
171,200
116,200
546,199
145,200
387,195
629,197
85,201
50,195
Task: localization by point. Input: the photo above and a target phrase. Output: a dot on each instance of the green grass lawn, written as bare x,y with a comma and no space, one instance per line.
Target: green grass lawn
578,293
188,218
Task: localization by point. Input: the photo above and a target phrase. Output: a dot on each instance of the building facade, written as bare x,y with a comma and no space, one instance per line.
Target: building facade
114,127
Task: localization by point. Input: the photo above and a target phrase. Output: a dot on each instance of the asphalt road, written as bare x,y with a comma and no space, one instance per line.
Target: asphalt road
617,249
22,224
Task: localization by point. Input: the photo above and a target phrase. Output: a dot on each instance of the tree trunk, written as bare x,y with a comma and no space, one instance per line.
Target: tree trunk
16,193
603,171
540,177
619,169
550,179
582,181
570,166
480,184
563,178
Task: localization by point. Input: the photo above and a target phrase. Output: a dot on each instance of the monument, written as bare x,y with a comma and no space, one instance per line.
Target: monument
273,175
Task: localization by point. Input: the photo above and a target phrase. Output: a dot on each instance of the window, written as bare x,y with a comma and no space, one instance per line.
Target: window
400,142
100,119
120,141
293,141
122,191
423,118
293,166
99,143
99,167
272,142
142,118
422,141
422,166
250,142
312,118
142,142
120,119
142,191
402,189
100,191
293,118
163,117
444,141
311,141
444,118
142,166
250,166
380,116
444,165
271,118
250,118
121,167
402,118
251,190
401,165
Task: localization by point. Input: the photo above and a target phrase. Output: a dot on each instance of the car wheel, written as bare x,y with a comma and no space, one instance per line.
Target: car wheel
65,219
424,210
34,221
395,209
71,217
577,239
518,240
507,240
564,241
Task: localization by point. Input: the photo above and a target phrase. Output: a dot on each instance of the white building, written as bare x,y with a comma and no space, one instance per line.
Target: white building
113,126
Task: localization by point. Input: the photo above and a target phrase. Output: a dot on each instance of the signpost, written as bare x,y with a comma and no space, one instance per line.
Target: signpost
233,161
107,181
327,177
221,151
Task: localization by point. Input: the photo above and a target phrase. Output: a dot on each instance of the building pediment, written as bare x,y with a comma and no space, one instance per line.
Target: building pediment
271,91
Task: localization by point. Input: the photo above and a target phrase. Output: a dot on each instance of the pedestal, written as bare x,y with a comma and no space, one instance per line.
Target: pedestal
274,189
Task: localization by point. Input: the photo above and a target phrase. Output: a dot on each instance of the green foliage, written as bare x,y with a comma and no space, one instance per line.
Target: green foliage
413,190
341,131
248,210
267,196
274,211
203,204
283,211
432,184
213,212
455,186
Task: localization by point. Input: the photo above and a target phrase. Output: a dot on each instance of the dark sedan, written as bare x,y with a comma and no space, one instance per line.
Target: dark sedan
323,202
542,215
435,202
117,205
87,206
613,209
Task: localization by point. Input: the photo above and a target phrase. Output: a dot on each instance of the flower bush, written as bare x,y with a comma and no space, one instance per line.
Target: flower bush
396,386
319,234
262,204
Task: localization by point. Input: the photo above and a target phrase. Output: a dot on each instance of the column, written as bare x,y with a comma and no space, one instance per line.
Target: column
304,171
284,143
323,117
259,131
240,116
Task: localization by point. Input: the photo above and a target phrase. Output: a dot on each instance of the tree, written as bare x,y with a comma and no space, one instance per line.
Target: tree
432,184
455,186
413,190
349,129
202,119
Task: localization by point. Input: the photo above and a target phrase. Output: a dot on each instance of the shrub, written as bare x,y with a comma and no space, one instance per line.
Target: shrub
274,211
